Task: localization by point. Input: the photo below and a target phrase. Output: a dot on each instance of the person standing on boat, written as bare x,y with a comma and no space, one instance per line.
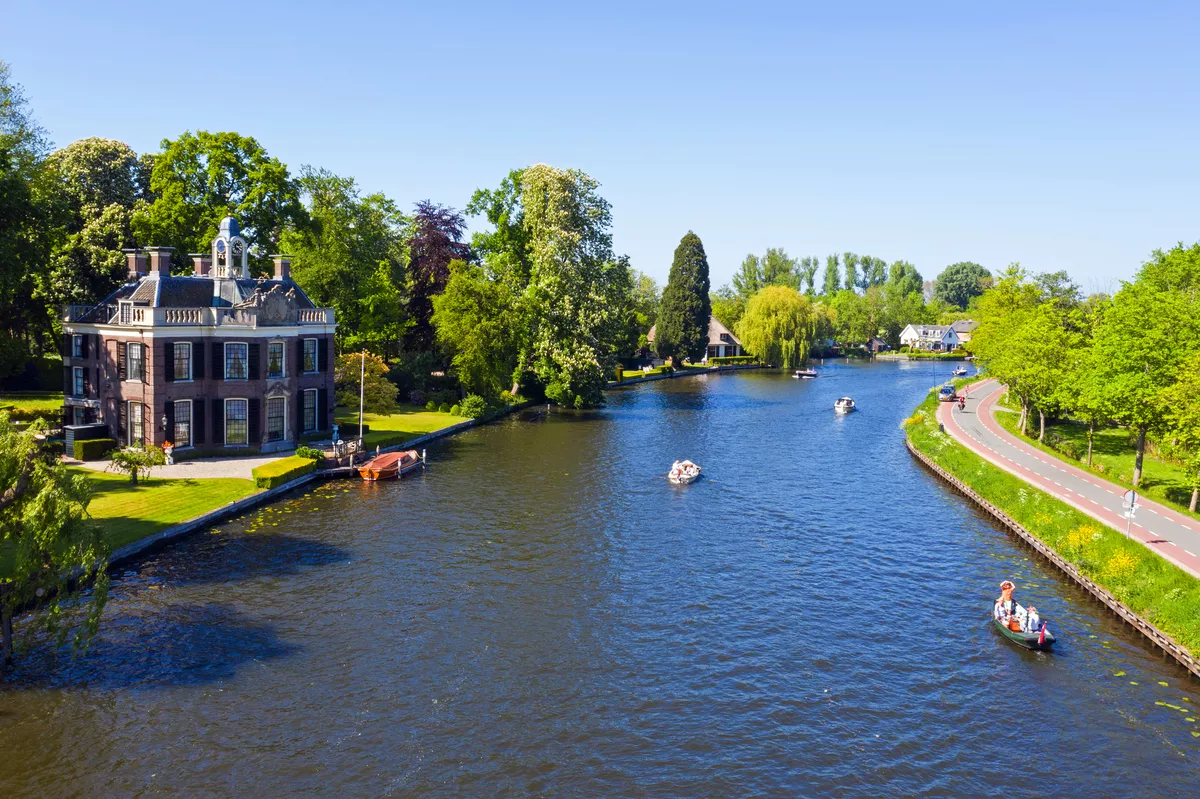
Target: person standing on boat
1006,608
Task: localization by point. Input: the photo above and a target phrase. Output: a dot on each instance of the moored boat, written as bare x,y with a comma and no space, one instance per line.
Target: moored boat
844,405
804,374
1034,640
390,464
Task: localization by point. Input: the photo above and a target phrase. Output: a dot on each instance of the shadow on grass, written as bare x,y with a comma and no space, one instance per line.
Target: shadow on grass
148,648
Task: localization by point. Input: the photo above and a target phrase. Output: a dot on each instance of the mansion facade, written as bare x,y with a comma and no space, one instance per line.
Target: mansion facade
211,360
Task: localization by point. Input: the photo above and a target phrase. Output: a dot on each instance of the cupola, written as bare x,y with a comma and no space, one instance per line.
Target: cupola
229,251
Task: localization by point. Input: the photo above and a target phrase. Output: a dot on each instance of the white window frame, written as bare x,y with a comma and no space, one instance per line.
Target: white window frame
282,359
190,423
125,312
307,405
316,356
129,437
245,361
175,360
225,408
267,427
129,378
78,389
76,345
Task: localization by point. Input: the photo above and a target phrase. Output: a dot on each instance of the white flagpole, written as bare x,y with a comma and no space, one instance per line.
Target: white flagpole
362,385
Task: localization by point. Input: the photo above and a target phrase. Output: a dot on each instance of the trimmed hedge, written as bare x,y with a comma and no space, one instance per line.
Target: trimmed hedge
276,473
93,449
732,360
350,429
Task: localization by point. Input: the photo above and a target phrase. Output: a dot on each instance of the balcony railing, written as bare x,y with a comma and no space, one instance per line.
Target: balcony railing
142,316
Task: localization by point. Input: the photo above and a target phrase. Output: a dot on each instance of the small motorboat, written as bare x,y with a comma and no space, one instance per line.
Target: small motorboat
844,405
1040,640
683,472
391,464
960,372
804,374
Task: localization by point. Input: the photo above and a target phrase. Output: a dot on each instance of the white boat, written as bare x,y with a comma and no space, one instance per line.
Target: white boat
844,405
683,472
960,372
804,374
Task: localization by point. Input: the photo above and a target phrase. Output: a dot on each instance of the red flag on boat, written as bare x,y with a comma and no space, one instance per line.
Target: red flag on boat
1042,635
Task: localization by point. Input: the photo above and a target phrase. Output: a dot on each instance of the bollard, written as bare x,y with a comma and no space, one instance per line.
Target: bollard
941,427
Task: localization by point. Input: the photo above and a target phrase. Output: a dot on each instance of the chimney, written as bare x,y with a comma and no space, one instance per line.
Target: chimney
283,267
160,261
201,264
136,260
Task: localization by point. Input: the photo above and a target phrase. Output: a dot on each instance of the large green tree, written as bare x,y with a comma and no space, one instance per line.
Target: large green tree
350,256
959,282
778,326
475,318
806,271
682,329
199,178
46,537
832,280
1180,403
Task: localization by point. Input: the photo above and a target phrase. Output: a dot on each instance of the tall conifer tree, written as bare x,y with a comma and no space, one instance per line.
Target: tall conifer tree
682,328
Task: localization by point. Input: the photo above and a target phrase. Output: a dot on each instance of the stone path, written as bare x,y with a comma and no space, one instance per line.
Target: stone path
1169,533
206,467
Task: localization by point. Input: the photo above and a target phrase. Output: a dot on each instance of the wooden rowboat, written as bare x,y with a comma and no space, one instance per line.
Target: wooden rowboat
1027,640
389,465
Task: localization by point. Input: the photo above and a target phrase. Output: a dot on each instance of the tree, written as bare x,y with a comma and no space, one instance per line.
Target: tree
353,372
46,536
776,268
578,293
727,306
850,264
505,249
959,282
874,272
436,241
778,326
1143,338
749,277
200,178
806,272
642,313
682,329
832,284
137,461
474,318
1180,403
350,257
905,277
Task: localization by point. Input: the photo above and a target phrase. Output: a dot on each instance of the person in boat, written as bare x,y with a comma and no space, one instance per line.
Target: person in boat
1006,609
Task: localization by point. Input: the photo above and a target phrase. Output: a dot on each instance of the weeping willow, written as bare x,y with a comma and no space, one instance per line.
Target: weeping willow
779,326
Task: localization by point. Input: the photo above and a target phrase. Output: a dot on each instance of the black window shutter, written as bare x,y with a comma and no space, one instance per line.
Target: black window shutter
169,360
146,422
123,422
300,395
96,351
87,382
145,362
255,422
66,344
169,412
96,380
83,346
197,360
328,363
121,373
68,382
300,356
252,360
218,368
197,421
218,422
322,409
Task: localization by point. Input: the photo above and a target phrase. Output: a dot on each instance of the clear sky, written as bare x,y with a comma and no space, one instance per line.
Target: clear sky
1062,135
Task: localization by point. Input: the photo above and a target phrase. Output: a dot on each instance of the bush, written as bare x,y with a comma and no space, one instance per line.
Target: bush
276,473
94,449
732,360
509,398
431,406
416,397
454,410
311,454
473,407
444,408
137,461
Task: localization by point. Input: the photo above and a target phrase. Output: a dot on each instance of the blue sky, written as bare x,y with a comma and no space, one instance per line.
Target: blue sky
1060,135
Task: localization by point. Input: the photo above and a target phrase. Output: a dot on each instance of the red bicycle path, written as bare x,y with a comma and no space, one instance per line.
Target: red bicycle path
1169,533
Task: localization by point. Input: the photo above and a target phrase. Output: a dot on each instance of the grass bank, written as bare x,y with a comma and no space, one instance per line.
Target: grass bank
1112,459
407,422
1152,587
128,512
25,406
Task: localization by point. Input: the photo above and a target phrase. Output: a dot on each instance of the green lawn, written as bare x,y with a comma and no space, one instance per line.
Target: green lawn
127,512
25,406
1112,459
408,422
1153,587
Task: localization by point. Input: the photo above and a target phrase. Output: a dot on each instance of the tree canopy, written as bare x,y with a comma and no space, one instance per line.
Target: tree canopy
778,326
959,282
682,329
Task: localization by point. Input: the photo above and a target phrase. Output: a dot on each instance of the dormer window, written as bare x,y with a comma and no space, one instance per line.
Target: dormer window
126,312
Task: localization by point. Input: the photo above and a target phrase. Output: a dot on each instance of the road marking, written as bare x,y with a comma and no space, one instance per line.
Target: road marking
1190,552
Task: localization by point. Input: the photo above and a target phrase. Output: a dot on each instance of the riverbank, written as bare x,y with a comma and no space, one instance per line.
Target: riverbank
691,371
920,356
1154,595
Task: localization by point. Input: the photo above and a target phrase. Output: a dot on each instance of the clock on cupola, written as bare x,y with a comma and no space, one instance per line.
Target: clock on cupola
229,251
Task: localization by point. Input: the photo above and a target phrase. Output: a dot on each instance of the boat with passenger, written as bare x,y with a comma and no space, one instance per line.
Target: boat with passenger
804,374
683,472
844,405
390,465
1023,626
960,372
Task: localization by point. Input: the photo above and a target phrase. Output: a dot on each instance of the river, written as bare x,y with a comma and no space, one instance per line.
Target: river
542,614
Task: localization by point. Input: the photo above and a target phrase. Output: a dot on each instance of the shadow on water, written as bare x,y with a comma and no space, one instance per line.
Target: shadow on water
169,645
226,559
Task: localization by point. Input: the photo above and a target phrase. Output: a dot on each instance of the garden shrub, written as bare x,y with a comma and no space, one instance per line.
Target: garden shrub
311,453
276,473
431,406
454,410
732,360
473,407
94,449
444,408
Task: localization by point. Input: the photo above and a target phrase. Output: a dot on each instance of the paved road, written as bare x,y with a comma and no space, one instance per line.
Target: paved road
1169,533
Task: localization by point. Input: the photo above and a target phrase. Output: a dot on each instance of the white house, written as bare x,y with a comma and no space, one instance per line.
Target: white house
721,342
938,338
